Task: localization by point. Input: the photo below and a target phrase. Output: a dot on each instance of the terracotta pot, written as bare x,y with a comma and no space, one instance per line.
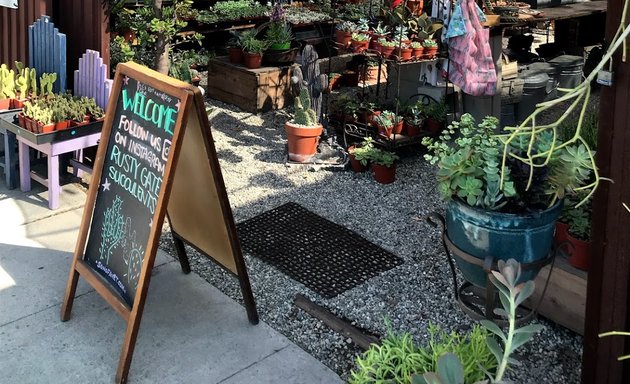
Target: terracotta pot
417,52
5,104
355,164
404,54
384,175
562,230
236,55
432,126
17,103
343,39
252,60
415,6
384,131
374,44
302,141
334,82
62,125
430,52
412,130
387,51
364,115
369,73
397,128
359,46
579,252
21,122
47,128
30,124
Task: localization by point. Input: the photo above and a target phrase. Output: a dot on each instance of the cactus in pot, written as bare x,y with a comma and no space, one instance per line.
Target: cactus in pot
304,130
304,114
46,83
7,87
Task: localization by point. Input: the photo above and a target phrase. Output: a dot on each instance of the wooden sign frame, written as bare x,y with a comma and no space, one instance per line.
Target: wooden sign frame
192,121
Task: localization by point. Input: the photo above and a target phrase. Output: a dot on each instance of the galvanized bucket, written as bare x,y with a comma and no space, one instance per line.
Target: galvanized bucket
482,233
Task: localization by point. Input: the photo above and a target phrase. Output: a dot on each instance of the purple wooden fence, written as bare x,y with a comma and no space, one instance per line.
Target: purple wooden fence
91,78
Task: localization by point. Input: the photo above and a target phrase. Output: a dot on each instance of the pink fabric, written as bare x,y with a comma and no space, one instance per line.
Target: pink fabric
471,67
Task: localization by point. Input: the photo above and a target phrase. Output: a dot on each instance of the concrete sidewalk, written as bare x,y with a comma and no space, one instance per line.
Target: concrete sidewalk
190,331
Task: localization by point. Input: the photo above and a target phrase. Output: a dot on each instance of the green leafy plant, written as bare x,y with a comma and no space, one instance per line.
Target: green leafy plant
398,358
362,152
387,43
347,26
363,25
437,111
428,43
278,33
511,293
253,45
381,30
360,37
416,44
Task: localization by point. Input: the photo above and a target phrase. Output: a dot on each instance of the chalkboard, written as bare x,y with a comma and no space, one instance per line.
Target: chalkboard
156,154
133,169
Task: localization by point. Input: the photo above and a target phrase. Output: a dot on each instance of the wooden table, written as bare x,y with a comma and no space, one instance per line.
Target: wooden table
571,11
52,144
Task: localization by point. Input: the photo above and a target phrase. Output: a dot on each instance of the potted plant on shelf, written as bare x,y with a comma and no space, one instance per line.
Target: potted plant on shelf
369,71
253,49
379,32
417,49
404,52
360,42
383,165
304,130
397,121
343,33
387,48
430,48
578,235
414,120
497,204
363,26
400,35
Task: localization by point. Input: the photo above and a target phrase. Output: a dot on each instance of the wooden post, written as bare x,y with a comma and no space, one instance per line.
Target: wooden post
608,289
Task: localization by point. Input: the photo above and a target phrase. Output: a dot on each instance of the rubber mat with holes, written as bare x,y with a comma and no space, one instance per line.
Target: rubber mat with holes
324,256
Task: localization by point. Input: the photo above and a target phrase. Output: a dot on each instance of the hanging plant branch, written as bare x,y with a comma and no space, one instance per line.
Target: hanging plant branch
580,97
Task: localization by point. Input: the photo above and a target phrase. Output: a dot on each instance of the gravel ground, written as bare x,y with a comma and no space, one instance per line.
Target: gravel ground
251,151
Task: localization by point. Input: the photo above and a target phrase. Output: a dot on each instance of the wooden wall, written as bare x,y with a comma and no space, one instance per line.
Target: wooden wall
83,21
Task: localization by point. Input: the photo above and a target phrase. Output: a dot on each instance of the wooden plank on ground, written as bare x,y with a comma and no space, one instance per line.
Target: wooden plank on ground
335,323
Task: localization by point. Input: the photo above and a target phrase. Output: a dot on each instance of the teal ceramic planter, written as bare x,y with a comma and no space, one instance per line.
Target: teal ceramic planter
480,233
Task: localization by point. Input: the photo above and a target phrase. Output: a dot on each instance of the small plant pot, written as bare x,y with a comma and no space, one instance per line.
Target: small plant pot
404,54
387,51
562,230
62,125
343,39
359,46
412,130
30,124
430,52
236,55
369,73
374,44
21,122
364,115
579,252
302,141
46,128
397,128
5,104
417,52
17,103
384,131
334,82
355,164
433,126
383,174
252,60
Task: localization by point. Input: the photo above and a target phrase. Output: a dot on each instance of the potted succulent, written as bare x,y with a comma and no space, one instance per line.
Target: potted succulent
430,48
417,48
235,49
369,71
360,42
397,121
366,111
360,155
383,165
304,130
403,52
253,49
343,33
25,84
7,87
497,204
387,48
379,32
400,35
578,234
436,114
363,26
385,122
414,120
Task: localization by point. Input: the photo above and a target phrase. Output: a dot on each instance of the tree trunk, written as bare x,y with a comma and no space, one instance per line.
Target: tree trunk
162,46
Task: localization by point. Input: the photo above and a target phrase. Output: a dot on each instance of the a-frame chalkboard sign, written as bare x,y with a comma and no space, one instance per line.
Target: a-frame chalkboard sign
156,157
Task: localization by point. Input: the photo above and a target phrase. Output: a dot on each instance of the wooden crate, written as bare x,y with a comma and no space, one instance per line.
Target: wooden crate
253,90
565,299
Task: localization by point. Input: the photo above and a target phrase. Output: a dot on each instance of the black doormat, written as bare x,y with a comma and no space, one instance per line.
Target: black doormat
324,256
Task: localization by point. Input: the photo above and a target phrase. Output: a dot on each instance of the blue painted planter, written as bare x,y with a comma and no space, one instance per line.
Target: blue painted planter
481,233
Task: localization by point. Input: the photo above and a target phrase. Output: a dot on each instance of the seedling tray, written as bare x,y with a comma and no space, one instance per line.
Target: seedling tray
8,121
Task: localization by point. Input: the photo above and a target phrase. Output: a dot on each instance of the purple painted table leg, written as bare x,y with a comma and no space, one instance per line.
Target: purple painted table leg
78,156
54,189
25,166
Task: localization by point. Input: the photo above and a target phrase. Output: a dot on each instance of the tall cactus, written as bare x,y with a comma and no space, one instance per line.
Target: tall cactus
32,81
7,83
308,77
304,114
